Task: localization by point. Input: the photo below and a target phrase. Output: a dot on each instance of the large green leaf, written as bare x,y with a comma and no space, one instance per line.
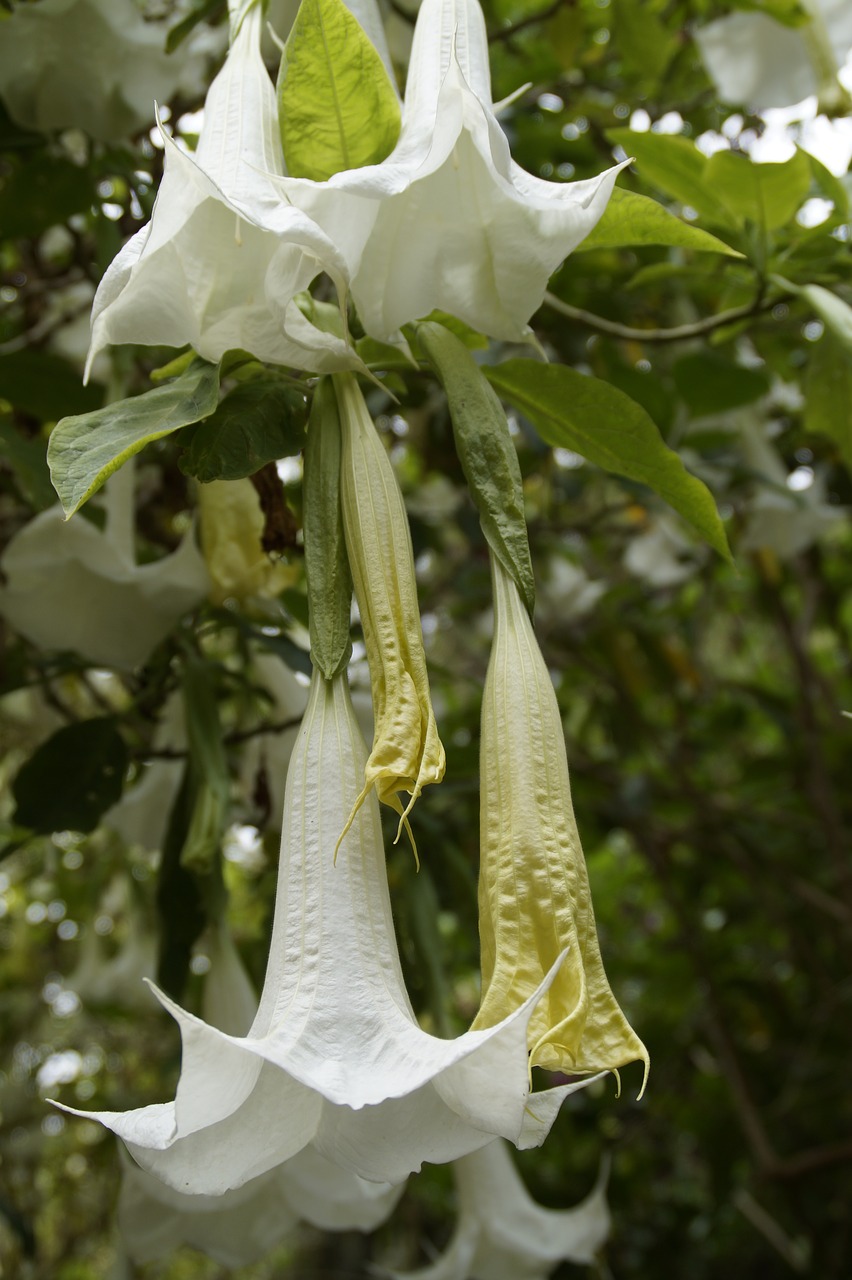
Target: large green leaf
486,451
574,411
631,219
258,422
72,779
42,192
45,386
337,107
711,383
84,451
828,394
676,166
767,194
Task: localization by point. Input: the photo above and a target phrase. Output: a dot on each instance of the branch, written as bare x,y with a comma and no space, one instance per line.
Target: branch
507,33
679,333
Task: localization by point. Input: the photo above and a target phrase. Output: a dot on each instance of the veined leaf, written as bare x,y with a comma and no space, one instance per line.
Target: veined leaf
767,194
631,219
83,451
574,411
676,166
258,422
828,394
337,107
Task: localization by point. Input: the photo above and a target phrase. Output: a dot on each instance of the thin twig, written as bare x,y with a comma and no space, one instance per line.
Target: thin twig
507,33
679,333
230,739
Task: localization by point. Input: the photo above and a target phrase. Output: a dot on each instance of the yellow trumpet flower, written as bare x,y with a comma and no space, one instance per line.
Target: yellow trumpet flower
534,898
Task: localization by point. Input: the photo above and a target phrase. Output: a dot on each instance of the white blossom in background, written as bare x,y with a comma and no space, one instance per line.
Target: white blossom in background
222,259
271,752
780,518
449,220
503,1234
661,555
758,62
71,586
94,65
334,1057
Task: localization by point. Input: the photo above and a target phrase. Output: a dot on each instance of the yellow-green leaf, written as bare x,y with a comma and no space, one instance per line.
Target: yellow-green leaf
337,107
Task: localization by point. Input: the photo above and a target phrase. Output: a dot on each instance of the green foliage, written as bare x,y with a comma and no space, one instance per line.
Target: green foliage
258,422
573,411
631,219
337,106
72,779
486,452
84,450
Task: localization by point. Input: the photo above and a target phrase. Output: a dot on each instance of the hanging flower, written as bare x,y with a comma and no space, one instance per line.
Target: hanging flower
240,1226
407,753
95,65
502,1234
222,260
73,586
534,899
449,220
754,60
334,1056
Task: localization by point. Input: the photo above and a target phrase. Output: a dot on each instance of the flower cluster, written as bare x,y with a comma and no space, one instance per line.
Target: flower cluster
332,1077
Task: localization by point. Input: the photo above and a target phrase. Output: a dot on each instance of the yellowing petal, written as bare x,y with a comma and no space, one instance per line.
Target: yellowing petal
407,753
231,532
534,897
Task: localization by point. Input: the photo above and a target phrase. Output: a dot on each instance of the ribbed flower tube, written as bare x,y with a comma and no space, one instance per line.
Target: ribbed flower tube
407,753
534,897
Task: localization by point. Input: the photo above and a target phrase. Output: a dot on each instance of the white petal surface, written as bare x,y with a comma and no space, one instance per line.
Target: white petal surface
754,60
502,1234
223,256
334,1055
68,586
488,235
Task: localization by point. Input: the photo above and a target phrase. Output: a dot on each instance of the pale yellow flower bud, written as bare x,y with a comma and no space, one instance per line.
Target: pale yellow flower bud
407,753
534,898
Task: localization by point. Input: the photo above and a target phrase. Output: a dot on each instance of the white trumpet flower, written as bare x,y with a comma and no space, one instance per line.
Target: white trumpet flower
753,59
449,220
334,1056
73,586
534,898
502,1234
222,259
95,65
240,1226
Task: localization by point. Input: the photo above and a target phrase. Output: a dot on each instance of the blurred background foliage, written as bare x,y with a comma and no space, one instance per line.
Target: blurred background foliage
702,701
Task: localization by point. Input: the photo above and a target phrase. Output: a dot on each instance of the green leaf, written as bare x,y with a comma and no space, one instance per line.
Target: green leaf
84,451
72,779
711,383
828,394
766,194
45,386
486,451
258,422
676,166
337,106
631,219
645,45
831,187
26,458
833,311
574,411
326,561
199,13
41,193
